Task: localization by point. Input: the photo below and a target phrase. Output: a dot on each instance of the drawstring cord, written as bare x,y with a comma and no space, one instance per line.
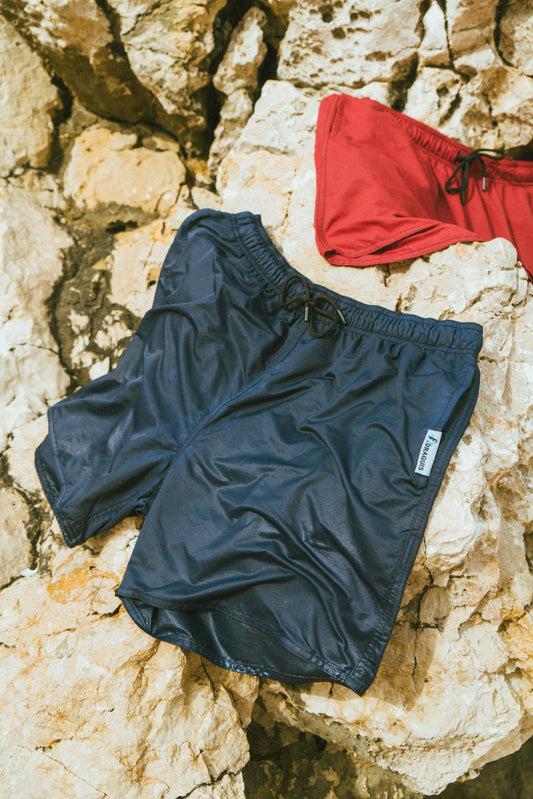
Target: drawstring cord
314,307
463,170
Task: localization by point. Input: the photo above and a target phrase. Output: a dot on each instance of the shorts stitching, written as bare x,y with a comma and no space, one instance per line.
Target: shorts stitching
420,324
436,477
416,533
312,658
216,657
98,515
406,254
366,657
51,426
455,395
415,127
332,670
264,276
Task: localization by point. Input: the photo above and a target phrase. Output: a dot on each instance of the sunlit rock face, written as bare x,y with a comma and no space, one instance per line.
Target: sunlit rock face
119,120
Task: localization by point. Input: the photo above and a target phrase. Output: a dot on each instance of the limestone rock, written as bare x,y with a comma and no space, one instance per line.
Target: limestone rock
231,786
133,60
470,26
509,775
433,49
169,47
19,454
461,110
448,696
236,77
14,544
75,38
135,264
91,702
111,167
282,756
434,97
484,101
245,54
516,31
349,44
28,101
31,250
512,108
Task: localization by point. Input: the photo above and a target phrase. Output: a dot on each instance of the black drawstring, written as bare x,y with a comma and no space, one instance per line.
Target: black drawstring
314,307
464,170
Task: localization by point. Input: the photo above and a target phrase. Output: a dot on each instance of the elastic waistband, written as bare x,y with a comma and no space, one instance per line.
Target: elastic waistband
449,335
438,144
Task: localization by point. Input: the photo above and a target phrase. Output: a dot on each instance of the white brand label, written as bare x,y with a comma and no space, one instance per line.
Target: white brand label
427,453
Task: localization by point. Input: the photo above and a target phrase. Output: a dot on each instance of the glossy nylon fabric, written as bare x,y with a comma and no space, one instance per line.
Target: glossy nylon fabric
381,195
275,470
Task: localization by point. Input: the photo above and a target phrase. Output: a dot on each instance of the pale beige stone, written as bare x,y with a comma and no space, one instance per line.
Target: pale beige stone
245,54
483,102
169,47
349,44
28,100
203,198
135,264
283,122
433,49
470,26
107,166
14,544
233,116
20,454
513,107
115,710
75,37
516,35
236,77
31,246
43,187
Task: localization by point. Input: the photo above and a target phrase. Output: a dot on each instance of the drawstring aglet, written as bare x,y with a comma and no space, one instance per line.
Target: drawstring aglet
461,173
316,307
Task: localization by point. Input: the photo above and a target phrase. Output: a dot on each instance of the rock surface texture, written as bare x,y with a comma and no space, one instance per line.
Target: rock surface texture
119,119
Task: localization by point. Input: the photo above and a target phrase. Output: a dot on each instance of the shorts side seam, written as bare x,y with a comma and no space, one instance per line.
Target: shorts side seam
52,497
365,664
417,530
321,142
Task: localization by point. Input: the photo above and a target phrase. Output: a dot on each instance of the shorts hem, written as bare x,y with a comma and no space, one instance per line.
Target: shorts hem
189,642
53,497
371,259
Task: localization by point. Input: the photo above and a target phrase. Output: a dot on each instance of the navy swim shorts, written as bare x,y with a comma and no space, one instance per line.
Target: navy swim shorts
285,445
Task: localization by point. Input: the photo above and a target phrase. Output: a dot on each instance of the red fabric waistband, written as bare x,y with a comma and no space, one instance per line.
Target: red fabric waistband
384,192
442,146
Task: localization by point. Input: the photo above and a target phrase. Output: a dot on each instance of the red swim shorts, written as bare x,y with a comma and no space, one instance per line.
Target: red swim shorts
391,188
